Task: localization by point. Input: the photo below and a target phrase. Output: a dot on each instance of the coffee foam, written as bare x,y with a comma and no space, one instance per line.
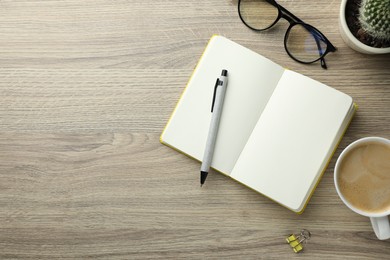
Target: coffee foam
364,177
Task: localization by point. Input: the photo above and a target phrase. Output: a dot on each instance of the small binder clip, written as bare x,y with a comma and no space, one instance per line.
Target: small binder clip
295,241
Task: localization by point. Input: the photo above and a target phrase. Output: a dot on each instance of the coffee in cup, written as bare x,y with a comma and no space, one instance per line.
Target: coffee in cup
364,177
362,180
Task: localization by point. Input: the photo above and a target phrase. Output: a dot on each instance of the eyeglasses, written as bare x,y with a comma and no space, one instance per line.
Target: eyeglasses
303,42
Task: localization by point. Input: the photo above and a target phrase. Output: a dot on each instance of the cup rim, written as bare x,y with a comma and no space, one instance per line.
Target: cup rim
338,162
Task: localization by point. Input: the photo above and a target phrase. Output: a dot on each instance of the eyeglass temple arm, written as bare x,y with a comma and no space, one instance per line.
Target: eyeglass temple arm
316,35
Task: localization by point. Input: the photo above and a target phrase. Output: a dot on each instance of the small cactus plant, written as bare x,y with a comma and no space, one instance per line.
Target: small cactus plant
374,17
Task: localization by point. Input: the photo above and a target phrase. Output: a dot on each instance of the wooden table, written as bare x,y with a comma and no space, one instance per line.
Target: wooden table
86,88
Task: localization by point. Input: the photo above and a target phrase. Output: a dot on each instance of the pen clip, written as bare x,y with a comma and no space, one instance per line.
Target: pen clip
217,83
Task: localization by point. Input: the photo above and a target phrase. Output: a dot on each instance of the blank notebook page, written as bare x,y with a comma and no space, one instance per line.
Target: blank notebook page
251,82
285,153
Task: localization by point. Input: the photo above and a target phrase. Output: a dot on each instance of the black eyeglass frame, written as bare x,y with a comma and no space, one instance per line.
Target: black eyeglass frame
293,20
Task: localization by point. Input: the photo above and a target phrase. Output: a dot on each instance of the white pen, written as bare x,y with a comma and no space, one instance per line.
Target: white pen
216,109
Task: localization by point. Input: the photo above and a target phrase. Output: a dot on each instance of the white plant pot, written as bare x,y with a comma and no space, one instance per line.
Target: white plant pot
350,40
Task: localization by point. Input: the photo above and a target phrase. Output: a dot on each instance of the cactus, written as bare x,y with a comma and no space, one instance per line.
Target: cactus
374,18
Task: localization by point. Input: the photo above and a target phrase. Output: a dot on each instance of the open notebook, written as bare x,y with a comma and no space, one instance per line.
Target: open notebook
278,129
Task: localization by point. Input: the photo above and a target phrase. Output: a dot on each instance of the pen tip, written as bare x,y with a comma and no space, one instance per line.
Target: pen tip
203,176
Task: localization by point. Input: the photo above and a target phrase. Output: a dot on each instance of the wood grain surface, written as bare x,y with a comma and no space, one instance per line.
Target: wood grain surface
86,88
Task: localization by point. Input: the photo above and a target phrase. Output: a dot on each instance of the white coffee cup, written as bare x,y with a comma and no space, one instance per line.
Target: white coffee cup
380,221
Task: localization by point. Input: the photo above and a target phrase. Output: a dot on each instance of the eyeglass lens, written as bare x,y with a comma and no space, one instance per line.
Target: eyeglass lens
258,14
302,42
